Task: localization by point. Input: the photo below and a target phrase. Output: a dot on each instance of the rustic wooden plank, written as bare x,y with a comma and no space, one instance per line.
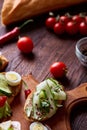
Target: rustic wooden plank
48,48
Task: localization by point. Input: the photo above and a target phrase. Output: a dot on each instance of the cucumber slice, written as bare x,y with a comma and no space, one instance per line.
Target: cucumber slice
44,86
4,87
55,95
61,95
54,85
56,89
42,95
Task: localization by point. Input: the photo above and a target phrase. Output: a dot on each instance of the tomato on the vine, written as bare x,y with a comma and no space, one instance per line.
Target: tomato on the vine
58,69
25,44
50,22
86,19
71,28
64,19
83,28
59,28
78,19
2,100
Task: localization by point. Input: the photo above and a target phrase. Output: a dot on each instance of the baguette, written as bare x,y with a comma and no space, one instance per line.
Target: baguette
16,10
43,102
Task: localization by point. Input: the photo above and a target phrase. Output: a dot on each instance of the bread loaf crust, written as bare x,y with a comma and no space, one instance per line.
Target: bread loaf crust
16,10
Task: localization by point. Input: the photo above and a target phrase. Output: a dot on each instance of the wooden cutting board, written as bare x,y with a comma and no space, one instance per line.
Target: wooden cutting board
60,121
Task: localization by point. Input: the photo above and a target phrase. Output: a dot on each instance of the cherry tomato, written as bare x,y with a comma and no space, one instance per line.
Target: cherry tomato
86,19
2,100
83,28
64,19
58,69
78,19
50,22
59,28
25,44
71,28
27,92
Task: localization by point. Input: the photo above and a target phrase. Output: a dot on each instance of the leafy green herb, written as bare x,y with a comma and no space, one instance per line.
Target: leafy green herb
5,111
45,106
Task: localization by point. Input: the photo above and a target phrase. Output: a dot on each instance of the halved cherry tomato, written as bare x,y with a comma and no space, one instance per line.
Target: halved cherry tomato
83,28
58,69
59,28
2,100
25,44
50,22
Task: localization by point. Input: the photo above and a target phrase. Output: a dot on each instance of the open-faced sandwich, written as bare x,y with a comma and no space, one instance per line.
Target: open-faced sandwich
10,125
15,10
10,86
43,103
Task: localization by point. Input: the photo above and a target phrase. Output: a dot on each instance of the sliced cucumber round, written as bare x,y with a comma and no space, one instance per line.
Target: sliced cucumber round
4,87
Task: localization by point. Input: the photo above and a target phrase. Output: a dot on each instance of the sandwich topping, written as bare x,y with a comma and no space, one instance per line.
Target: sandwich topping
5,109
38,126
10,125
13,78
45,100
7,81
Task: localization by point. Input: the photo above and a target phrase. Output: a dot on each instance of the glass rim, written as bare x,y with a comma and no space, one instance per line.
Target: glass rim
77,46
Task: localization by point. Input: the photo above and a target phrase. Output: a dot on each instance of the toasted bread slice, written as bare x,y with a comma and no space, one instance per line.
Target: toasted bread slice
33,109
14,90
15,10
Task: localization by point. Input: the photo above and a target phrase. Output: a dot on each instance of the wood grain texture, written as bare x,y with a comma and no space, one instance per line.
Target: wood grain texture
49,48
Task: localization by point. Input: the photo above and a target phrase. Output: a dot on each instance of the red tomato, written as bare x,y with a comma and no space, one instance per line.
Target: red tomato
27,92
2,100
64,19
83,28
50,22
25,44
59,28
58,69
78,19
71,28
86,19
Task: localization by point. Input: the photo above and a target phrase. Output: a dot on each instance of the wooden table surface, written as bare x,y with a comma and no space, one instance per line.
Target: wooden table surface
49,48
